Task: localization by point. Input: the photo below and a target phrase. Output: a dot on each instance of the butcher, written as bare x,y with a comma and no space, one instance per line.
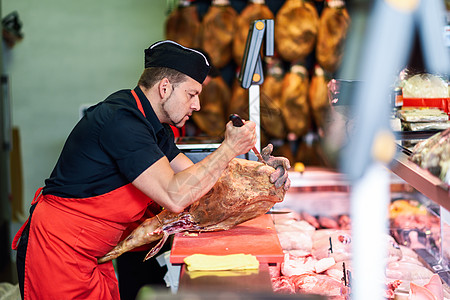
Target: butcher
119,163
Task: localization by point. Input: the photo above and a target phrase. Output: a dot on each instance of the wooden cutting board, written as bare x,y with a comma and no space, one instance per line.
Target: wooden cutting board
257,237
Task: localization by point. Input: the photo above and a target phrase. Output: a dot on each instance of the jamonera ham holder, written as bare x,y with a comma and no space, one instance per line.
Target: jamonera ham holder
243,192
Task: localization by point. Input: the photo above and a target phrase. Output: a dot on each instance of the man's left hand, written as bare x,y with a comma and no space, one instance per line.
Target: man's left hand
281,166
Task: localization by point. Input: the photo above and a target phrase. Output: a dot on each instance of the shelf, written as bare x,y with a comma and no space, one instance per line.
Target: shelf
420,179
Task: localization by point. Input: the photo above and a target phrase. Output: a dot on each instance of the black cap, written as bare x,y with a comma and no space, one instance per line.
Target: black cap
213,71
170,54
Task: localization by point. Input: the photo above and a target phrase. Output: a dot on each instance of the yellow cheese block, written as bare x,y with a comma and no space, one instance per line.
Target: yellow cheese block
203,262
222,273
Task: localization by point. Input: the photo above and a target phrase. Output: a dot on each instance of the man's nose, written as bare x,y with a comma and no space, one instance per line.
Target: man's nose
196,103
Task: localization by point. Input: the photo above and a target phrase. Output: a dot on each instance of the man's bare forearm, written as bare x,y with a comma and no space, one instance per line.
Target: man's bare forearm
192,183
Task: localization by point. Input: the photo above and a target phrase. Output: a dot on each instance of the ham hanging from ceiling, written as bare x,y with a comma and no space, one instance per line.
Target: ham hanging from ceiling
333,26
239,100
255,10
183,25
318,96
294,100
214,101
296,27
218,29
271,117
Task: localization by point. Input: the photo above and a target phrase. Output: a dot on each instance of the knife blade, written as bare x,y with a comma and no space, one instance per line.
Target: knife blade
237,122
277,212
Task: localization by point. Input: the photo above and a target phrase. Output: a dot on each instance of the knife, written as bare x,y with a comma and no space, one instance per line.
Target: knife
237,122
277,212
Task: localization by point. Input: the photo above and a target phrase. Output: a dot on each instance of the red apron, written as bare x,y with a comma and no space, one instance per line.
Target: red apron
62,264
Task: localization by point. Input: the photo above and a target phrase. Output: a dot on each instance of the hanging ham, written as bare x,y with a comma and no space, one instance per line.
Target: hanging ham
271,117
255,10
318,96
214,102
239,101
218,28
183,25
294,102
239,105
333,27
296,27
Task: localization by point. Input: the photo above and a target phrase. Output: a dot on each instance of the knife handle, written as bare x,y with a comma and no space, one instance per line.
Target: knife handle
237,121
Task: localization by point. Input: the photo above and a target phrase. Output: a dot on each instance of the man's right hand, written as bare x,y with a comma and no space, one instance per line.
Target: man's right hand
240,139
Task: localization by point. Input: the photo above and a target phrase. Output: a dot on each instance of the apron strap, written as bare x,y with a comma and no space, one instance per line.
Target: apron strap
36,196
36,199
138,102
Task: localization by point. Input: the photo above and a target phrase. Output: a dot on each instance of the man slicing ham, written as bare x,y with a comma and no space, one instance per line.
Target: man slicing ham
119,163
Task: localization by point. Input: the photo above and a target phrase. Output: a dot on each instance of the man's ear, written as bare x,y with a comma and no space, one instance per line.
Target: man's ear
163,87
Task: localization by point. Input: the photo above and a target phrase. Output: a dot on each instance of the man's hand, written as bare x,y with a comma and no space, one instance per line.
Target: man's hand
280,164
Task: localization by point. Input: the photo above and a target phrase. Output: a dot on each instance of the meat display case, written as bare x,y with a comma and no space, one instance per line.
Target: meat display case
420,179
438,192
321,191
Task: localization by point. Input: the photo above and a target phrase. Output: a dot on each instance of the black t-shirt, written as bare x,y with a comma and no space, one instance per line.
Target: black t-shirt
109,147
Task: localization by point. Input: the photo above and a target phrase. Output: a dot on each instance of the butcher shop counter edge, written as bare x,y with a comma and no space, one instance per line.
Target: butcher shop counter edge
420,179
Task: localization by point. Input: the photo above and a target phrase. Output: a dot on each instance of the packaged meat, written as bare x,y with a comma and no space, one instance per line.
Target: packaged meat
413,225
433,290
218,29
425,86
425,126
333,26
295,240
318,284
298,265
407,273
283,285
255,10
433,154
324,264
293,226
424,114
332,243
183,25
296,26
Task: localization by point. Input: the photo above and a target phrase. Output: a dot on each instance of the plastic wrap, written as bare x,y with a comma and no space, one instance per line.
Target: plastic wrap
433,154
425,86
422,115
